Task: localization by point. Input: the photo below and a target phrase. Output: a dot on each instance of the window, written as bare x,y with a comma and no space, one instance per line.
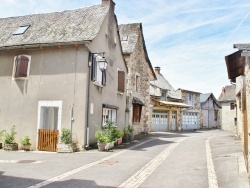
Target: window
121,81
137,83
108,114
215,115
136,112
21,66
163,95
21,30
190,99
96,74
232,106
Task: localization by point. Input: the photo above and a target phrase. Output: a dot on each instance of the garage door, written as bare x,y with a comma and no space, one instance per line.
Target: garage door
190,120
160,120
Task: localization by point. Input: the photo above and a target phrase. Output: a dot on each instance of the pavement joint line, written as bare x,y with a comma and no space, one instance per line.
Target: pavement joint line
74,171
212,178
141,175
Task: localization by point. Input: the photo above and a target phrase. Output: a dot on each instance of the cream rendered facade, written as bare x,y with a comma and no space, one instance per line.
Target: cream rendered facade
59,77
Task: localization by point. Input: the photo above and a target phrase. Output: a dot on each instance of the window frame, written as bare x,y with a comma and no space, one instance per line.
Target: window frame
16,63
112,115
97,75
137,82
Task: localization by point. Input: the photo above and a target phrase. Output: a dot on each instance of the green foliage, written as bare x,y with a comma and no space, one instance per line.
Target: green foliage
102,136
26,141
125,132
66,136
10,137
130,129
1,135
109,133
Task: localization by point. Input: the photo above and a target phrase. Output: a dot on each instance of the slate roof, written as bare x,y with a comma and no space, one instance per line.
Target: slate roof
188,91
132,32
162,83
204,98
54,28
229,94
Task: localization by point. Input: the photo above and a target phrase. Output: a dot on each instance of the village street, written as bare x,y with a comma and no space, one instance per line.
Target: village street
197,159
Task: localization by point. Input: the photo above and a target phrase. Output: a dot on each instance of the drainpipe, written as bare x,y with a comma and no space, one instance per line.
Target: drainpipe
88,101
71,119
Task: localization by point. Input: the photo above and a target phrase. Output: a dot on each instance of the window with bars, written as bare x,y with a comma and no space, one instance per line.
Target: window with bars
121,81
21,66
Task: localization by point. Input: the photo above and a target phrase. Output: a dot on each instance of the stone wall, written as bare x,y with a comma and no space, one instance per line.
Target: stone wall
137,65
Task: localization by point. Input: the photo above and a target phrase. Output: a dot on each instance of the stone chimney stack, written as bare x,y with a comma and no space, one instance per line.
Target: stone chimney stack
223,90
158,70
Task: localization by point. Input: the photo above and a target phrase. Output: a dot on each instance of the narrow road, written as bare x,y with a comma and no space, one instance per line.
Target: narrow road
175,160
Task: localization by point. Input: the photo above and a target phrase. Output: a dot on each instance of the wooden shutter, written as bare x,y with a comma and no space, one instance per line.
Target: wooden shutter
93,67
121,81
22,63
104,77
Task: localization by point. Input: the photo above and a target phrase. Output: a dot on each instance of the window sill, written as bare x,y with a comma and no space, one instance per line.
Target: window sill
20,78
98,84
120,93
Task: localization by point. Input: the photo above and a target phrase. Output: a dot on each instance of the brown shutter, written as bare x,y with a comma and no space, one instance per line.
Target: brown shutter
121,81
137,113
23,66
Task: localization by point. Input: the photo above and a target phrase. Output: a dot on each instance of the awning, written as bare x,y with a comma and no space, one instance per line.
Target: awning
175,104
137,101
235,64
110,106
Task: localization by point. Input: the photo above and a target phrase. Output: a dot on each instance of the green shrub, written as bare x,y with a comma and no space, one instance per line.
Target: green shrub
66,136
10,137
1,135
26,141
130,129
103,136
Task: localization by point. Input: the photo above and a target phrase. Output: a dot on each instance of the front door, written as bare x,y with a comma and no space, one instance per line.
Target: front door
49,115
174,122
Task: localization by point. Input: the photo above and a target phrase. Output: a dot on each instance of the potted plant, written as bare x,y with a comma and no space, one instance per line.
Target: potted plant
66,145
131,132
9,140
119,135
125,137
1,138
103,138
26,143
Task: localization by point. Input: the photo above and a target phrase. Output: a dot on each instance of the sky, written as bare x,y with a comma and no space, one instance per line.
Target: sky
188,39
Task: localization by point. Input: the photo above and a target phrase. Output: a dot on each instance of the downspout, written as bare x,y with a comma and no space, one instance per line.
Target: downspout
71,119
88,103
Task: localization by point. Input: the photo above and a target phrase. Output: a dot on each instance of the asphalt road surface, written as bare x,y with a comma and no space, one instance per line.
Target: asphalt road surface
198,159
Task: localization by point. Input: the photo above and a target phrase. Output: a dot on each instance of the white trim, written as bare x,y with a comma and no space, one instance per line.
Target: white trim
49,104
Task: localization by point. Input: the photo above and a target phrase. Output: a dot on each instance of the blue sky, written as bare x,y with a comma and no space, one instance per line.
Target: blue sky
188,39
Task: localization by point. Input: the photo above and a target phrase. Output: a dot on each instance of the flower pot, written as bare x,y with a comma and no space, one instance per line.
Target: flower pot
131,137
119,142
101,146
26,147
10,147
109,145
66,148
125,139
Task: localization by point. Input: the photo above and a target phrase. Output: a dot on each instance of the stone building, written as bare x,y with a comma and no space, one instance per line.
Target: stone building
140,73
227,100
191,117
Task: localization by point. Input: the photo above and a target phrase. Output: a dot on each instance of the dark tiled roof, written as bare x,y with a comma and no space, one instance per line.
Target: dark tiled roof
132,32
204,97
162,83
228,94
52,28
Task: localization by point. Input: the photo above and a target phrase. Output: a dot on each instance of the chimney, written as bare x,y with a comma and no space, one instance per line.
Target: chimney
158,70
223,90
105,2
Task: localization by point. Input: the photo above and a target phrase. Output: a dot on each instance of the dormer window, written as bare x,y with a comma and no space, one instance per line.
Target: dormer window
125,38
21,30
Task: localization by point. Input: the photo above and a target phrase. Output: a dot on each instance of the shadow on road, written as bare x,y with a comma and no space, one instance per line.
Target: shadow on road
18,182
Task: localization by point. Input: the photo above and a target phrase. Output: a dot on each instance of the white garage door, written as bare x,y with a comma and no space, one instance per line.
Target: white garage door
160,120
190,120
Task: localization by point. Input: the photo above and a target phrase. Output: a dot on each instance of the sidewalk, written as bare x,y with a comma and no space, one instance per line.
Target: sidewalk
229,162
